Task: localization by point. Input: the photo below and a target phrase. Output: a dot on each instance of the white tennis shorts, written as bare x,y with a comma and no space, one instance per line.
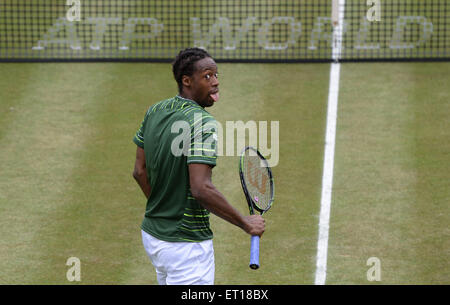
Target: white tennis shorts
181,263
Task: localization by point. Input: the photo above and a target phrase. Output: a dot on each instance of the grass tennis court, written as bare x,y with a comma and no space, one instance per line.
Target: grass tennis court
67,155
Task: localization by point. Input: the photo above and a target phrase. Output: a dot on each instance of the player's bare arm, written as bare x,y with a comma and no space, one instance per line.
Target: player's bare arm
211,199
140,173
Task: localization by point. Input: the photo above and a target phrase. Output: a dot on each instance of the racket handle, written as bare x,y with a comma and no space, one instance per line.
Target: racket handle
254,252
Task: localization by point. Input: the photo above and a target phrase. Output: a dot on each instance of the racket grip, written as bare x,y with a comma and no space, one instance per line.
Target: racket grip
254,252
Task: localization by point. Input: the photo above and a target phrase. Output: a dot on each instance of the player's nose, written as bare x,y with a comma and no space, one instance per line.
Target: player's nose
215,81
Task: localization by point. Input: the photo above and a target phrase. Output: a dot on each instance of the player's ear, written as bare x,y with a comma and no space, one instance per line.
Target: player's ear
186,81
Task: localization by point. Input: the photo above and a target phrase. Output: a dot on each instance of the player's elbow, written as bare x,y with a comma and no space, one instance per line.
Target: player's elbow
201,191
135,175
196,191
138,173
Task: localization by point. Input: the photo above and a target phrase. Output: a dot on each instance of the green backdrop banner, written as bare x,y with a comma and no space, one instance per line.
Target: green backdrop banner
231,30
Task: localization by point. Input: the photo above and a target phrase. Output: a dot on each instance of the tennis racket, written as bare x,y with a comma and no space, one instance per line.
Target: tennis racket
257,183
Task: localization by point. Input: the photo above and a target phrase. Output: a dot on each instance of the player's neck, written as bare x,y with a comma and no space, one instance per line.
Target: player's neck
186,95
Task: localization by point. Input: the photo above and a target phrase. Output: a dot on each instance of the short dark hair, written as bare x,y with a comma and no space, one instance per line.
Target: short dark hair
184,63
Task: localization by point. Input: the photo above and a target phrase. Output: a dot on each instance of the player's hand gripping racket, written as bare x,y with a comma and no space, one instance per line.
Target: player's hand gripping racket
257,183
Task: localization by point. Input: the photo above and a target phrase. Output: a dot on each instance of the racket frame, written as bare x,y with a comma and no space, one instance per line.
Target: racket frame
252,206
251,203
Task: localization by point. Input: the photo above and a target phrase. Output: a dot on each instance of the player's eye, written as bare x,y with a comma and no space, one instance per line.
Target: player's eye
209,75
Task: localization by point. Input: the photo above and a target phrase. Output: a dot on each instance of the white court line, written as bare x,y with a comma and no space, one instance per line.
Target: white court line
328,164
327,178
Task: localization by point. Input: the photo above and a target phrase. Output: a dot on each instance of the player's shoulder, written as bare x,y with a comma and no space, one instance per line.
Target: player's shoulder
160,105
192,112
181,109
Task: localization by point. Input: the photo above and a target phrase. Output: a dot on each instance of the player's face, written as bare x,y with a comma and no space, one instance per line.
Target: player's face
204,82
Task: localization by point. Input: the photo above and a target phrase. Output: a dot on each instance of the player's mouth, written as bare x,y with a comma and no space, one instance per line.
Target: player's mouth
214,95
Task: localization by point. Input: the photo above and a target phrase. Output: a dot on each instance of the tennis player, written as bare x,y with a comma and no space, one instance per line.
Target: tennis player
180,195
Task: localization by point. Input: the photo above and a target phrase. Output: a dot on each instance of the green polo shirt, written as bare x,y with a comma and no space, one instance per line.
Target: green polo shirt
174,133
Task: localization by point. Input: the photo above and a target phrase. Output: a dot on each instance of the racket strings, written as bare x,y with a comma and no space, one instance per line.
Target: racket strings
257,181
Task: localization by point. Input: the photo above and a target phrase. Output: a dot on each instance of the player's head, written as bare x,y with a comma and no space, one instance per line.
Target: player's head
196,74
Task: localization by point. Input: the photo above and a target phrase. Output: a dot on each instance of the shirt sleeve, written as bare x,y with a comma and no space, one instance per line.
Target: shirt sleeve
203,146
138,138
